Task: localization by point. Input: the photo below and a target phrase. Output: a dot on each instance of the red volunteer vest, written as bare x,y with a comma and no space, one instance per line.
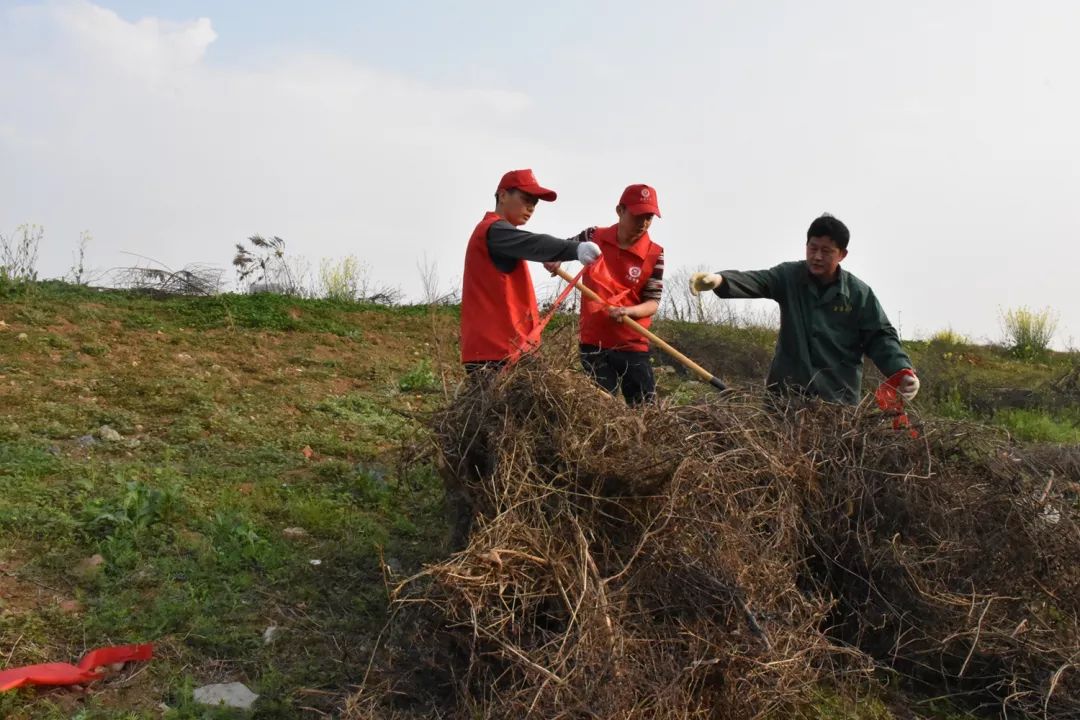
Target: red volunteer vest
630,270
498,310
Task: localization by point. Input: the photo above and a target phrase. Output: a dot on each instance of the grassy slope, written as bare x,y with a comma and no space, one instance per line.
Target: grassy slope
241,417
216,400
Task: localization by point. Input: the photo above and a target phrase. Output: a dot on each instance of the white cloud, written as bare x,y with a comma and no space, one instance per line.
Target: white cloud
149,47
128,131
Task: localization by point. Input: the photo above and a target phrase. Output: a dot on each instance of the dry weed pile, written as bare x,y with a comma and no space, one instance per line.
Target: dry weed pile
723,560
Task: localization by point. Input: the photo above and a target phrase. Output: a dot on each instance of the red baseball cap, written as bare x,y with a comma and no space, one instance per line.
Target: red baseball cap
525,181
640,199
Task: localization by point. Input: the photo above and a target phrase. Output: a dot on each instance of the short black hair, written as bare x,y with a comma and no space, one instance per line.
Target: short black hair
830,227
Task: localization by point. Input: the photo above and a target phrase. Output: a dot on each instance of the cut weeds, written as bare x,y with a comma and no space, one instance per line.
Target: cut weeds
728,559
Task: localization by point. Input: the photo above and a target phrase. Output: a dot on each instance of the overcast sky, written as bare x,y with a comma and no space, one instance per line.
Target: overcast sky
943,133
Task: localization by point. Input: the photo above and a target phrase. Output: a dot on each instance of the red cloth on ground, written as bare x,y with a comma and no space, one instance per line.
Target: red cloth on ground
68,674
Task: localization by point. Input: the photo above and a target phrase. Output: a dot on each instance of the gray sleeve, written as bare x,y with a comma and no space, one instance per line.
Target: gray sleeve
508,244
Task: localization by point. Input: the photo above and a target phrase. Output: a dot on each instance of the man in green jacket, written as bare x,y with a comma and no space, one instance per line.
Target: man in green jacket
829,319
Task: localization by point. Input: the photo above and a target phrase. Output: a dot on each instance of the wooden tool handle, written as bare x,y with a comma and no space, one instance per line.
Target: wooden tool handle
689,364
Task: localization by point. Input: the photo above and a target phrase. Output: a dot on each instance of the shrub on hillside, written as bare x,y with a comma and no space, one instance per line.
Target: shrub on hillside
1027,332
342,279
19,254
949,338
349,280
264,265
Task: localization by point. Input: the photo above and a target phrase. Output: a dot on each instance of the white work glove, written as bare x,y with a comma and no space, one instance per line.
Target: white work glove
908,387
588,253
702,281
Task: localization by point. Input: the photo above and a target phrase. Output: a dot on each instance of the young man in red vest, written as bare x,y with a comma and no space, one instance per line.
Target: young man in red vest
498,304
499,317
631,279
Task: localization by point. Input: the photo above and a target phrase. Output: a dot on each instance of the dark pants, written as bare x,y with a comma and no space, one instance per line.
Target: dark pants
460,505
629,369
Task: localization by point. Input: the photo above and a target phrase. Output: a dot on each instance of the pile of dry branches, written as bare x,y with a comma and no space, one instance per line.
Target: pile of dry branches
192,281
727,559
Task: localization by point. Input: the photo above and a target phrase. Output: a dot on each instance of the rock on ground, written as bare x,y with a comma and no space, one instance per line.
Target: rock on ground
234,695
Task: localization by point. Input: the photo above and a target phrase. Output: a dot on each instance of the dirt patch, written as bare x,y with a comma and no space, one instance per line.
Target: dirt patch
22,596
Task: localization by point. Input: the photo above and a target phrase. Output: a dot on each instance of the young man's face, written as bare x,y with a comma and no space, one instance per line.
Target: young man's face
823,257
517,206
632,227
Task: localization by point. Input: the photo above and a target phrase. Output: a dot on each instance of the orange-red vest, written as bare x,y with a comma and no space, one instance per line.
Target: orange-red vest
498,310
628,269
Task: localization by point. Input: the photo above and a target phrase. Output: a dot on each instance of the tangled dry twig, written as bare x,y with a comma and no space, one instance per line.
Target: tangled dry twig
725,559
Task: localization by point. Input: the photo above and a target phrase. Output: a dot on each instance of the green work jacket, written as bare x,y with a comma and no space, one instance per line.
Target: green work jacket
824,330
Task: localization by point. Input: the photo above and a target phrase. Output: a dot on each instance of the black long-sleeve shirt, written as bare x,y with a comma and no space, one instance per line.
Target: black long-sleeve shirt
508,244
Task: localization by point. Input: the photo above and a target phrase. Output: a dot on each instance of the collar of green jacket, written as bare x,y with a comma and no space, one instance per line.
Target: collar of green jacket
826,292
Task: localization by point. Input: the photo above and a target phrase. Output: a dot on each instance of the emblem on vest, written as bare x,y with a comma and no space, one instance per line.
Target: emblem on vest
633,273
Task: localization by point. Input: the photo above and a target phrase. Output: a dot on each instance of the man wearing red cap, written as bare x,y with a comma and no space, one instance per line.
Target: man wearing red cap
498,303
631,279
499,317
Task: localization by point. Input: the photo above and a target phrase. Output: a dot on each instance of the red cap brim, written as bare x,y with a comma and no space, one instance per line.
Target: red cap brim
642,209
541,192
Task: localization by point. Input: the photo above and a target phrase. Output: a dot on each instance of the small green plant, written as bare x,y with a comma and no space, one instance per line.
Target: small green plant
1028,332
57,341
237,540
140,507
420,379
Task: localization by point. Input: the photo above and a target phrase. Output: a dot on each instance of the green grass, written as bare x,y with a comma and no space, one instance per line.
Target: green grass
197,565
240,416
1040,425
